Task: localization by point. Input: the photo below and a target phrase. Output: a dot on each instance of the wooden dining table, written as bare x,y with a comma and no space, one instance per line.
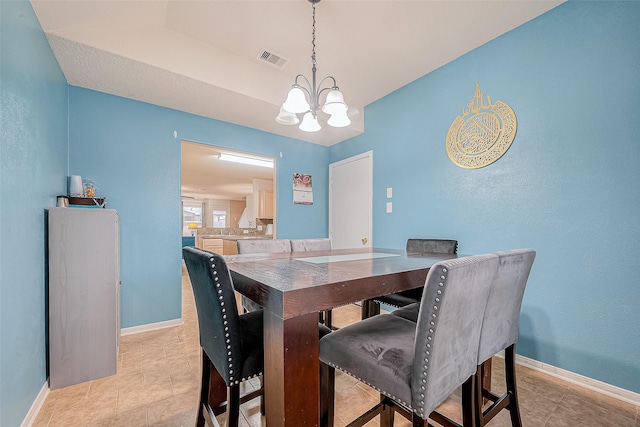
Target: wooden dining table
293,288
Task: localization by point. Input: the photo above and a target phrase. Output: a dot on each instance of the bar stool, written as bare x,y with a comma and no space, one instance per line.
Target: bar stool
410,296
416,366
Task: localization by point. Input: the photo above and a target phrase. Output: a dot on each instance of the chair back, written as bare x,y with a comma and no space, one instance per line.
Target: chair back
300,245
500,326
218,320
262,246
448,328
440,246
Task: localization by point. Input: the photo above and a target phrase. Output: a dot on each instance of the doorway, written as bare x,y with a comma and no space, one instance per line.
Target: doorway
351,201
225,184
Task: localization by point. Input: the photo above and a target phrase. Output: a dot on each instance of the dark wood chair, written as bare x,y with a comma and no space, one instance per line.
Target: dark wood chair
416,366
412,296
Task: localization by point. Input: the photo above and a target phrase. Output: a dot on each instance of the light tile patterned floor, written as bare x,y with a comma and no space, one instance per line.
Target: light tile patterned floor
158,382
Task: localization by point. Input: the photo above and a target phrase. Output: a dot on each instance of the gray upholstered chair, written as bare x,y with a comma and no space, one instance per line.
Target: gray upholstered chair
302,245
416,366
500,332
260,246
319,244
230,342
410,296
263,246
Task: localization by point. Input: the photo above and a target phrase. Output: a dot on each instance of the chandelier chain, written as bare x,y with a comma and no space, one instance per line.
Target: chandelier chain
313,37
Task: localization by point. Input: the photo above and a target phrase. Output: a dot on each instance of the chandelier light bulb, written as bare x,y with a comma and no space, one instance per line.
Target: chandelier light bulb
296,102
334,103
339,120
286,118
310,123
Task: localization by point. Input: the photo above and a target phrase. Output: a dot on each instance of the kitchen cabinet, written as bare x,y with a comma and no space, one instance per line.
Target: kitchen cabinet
84,294
210,244
230,247
265,204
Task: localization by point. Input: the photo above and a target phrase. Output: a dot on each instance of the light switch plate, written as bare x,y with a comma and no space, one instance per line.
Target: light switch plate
389,193
389,207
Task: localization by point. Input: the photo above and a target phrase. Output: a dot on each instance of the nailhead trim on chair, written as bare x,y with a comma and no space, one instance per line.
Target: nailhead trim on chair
432,322
434,316
407,405
226,328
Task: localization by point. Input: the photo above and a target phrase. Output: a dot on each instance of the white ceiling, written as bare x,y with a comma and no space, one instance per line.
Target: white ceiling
201,56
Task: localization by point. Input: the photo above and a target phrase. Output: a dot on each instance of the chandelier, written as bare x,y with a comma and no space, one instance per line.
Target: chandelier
297,103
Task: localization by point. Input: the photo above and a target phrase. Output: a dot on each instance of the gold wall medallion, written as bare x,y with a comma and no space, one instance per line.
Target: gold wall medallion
482,134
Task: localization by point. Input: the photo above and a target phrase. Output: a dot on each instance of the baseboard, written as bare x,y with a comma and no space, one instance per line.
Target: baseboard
580,380
31,416
150,327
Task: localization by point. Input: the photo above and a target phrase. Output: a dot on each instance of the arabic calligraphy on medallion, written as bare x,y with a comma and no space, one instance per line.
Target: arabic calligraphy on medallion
482,134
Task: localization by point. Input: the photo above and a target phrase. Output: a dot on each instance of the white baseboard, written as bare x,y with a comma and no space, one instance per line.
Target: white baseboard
580,380
151,327
31,416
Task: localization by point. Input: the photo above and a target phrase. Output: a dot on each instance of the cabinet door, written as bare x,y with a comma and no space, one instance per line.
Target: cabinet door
265,204
230,247
213,245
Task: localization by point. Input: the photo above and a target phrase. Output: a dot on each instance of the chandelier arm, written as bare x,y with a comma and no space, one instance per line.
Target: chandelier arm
335,85
308,89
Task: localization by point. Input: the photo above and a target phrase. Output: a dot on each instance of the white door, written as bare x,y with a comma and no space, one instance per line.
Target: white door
350,201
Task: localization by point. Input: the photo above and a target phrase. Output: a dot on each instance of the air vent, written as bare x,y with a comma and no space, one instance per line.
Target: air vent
272,58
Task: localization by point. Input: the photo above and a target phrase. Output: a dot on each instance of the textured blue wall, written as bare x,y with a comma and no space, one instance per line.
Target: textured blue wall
567,187
33,169
128,149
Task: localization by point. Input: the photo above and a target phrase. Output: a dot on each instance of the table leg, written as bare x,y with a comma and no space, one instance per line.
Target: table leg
291,370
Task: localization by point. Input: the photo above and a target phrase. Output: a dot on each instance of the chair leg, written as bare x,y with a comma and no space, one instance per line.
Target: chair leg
510,375
262,405
204,390
364,309
374,308
328,319
233,406
416,421
387,415
327,394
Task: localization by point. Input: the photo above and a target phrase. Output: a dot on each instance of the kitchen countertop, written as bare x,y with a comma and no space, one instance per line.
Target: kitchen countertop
236,237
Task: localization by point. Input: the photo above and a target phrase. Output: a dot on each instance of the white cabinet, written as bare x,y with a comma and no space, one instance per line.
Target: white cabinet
84,294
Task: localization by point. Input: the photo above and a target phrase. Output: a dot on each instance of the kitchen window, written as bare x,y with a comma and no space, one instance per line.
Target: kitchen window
219,219
191,213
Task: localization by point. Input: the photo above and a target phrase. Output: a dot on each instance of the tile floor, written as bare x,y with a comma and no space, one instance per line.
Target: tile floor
158,382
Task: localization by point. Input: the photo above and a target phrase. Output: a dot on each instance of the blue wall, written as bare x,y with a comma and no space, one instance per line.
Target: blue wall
128,149
567,187
33,170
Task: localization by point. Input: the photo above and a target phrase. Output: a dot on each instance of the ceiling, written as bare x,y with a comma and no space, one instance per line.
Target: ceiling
205,176
201,57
